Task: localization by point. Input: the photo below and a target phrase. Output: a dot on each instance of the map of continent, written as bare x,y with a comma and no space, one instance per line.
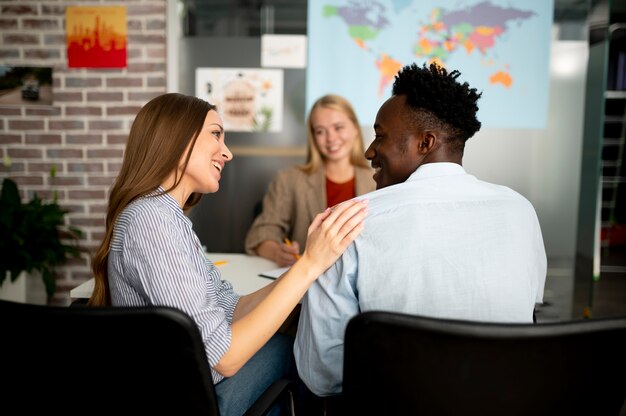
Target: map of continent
356,48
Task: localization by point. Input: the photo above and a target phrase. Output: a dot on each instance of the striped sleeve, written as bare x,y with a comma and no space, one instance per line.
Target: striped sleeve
226,296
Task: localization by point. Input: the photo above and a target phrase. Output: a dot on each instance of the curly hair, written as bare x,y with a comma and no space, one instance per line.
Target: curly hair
439,100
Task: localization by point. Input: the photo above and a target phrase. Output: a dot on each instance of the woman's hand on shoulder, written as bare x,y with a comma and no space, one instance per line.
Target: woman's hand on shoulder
332,231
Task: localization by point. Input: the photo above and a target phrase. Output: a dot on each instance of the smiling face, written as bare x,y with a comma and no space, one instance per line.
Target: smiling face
334,133
208,157
394,152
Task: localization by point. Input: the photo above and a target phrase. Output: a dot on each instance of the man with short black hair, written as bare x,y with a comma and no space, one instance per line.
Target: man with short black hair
437,242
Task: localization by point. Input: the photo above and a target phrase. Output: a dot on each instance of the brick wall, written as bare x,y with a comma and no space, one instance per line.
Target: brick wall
84,132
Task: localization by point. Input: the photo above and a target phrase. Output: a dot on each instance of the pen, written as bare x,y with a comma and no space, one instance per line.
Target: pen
220,262
288,242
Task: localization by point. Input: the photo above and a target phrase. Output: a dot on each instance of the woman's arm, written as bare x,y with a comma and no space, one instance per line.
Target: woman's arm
259,315
274,222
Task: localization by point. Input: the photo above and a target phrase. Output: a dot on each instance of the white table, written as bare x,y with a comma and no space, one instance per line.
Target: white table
240,269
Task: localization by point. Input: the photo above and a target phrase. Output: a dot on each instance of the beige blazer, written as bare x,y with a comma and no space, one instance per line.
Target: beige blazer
292,200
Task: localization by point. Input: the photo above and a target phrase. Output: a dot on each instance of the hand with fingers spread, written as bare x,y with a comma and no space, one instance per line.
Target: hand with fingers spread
332,231
259,315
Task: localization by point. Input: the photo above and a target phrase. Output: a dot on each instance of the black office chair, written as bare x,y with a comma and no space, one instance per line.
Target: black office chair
85,360
396,364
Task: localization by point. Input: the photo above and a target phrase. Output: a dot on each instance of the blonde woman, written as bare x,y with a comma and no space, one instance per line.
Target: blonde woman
336,170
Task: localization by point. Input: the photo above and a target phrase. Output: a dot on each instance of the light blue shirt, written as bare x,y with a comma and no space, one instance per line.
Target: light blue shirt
157,259
442,244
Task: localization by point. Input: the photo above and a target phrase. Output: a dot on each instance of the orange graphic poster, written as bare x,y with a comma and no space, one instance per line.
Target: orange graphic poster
96,36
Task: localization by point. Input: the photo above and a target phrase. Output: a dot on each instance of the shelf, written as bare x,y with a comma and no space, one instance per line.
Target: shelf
614,119
612,141
615,95
612,180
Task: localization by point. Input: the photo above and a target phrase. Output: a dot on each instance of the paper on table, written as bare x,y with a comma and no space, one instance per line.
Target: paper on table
274,273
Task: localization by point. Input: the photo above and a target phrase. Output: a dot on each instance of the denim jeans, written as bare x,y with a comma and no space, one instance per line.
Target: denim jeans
272,362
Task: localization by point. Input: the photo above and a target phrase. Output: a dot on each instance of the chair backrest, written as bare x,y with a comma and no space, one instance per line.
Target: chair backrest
404,364
85,360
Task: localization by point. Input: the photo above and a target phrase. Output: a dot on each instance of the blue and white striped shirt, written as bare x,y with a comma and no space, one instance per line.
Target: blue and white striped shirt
157,259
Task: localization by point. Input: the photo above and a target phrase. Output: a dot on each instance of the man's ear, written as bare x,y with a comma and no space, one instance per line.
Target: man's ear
426,142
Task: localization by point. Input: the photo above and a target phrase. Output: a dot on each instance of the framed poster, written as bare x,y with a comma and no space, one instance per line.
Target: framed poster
25,85
96,36
248,99
283,51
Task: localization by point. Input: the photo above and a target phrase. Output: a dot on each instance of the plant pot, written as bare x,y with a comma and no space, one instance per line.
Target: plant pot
27,288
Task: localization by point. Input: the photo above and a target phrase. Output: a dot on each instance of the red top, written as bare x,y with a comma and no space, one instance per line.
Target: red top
339,192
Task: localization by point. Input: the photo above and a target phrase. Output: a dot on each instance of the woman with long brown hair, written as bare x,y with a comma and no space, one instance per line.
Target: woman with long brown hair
151,256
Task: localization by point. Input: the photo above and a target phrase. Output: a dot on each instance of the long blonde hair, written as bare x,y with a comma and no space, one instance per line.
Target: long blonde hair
160,133
314,158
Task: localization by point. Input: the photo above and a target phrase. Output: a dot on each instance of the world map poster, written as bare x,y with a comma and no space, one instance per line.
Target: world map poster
501,48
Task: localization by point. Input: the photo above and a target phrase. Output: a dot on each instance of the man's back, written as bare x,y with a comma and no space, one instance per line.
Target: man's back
444,244
437,241
441,244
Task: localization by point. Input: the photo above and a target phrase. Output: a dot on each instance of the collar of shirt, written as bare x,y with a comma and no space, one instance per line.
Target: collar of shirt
171,203
431,170
168,199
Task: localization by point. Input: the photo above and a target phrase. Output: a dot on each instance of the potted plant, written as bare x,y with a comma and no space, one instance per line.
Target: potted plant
34,236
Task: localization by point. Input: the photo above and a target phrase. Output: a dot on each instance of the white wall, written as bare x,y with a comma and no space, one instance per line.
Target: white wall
543,165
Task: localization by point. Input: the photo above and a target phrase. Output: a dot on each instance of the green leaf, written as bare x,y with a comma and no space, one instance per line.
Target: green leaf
34,236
